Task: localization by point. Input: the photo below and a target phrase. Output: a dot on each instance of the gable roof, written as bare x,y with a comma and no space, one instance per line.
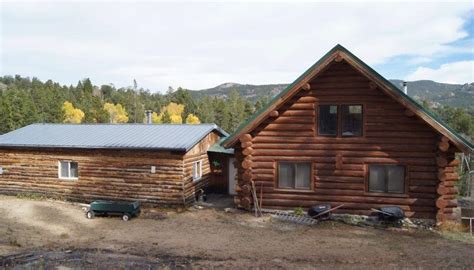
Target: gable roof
339,53
173,137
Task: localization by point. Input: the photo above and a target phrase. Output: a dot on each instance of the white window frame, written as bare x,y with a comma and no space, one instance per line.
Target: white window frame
69,170
197,170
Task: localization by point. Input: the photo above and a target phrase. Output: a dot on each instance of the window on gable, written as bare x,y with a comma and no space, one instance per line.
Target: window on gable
340,120
351,120
197,170
68,170
327,124
294,175
386,178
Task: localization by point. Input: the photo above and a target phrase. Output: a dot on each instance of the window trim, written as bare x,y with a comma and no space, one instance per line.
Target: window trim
69,170
311,175
195,165
387,194
339,119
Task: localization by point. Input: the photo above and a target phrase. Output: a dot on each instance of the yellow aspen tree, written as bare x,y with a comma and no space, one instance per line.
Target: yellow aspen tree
156,119
174,108
176,119
192,119
117,113
71,114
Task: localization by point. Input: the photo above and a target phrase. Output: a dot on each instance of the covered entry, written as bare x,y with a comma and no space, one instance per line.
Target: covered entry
223,179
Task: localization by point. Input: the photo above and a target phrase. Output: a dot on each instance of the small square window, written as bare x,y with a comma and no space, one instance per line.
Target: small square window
197,170
294,175
387,178
68,170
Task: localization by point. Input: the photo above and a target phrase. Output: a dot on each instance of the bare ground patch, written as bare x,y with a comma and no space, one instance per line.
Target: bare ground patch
210,237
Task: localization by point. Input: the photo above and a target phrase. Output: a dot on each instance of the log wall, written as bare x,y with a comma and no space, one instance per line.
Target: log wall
198,152
107,174
103,174
392,135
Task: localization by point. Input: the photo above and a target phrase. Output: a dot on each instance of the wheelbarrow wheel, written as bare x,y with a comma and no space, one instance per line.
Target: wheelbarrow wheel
90,214
126,217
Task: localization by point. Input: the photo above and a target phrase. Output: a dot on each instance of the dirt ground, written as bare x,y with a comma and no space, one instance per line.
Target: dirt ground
51,234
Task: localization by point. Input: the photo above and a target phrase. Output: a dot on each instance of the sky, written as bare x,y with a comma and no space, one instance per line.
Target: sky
199,45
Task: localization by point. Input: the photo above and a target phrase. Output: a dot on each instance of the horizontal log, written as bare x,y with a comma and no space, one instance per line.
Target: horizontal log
448,176
442,203
345,146
246,164
351,199
298,113
347,205
246,138
443,190
289,127
443,146
301,106
245,202
247,151
247,176
295,138
245,144
291,120
344,153
273,114
306,87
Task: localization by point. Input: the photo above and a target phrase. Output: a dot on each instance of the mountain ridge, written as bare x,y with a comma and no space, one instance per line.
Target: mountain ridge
445,94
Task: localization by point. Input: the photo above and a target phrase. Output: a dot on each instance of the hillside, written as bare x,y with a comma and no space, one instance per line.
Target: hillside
456,95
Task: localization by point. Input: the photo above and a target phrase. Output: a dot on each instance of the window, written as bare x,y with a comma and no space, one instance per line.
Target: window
327,120
197,170
387,178
351,117
68,170
294,175
346,121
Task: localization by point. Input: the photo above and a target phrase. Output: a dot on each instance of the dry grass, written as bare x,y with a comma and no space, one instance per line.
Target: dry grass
455,231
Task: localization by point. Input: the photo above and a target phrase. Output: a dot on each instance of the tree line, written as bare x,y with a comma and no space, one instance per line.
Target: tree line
24,101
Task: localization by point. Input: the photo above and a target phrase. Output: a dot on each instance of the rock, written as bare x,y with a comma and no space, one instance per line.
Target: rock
276,260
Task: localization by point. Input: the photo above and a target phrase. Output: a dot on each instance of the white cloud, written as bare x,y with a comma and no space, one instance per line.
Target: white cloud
200,45
456,72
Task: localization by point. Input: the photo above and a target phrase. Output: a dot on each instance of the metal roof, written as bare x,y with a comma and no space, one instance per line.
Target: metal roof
174,137
243,126
218,148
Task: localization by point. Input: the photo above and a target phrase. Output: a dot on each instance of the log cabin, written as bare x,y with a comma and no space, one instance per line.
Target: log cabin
342,134
155,164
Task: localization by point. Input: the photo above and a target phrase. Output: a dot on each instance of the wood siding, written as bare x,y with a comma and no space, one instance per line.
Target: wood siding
391,135
107,174
198,152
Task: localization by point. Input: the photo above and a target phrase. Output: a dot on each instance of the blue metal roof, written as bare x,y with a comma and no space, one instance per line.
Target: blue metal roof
174,137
